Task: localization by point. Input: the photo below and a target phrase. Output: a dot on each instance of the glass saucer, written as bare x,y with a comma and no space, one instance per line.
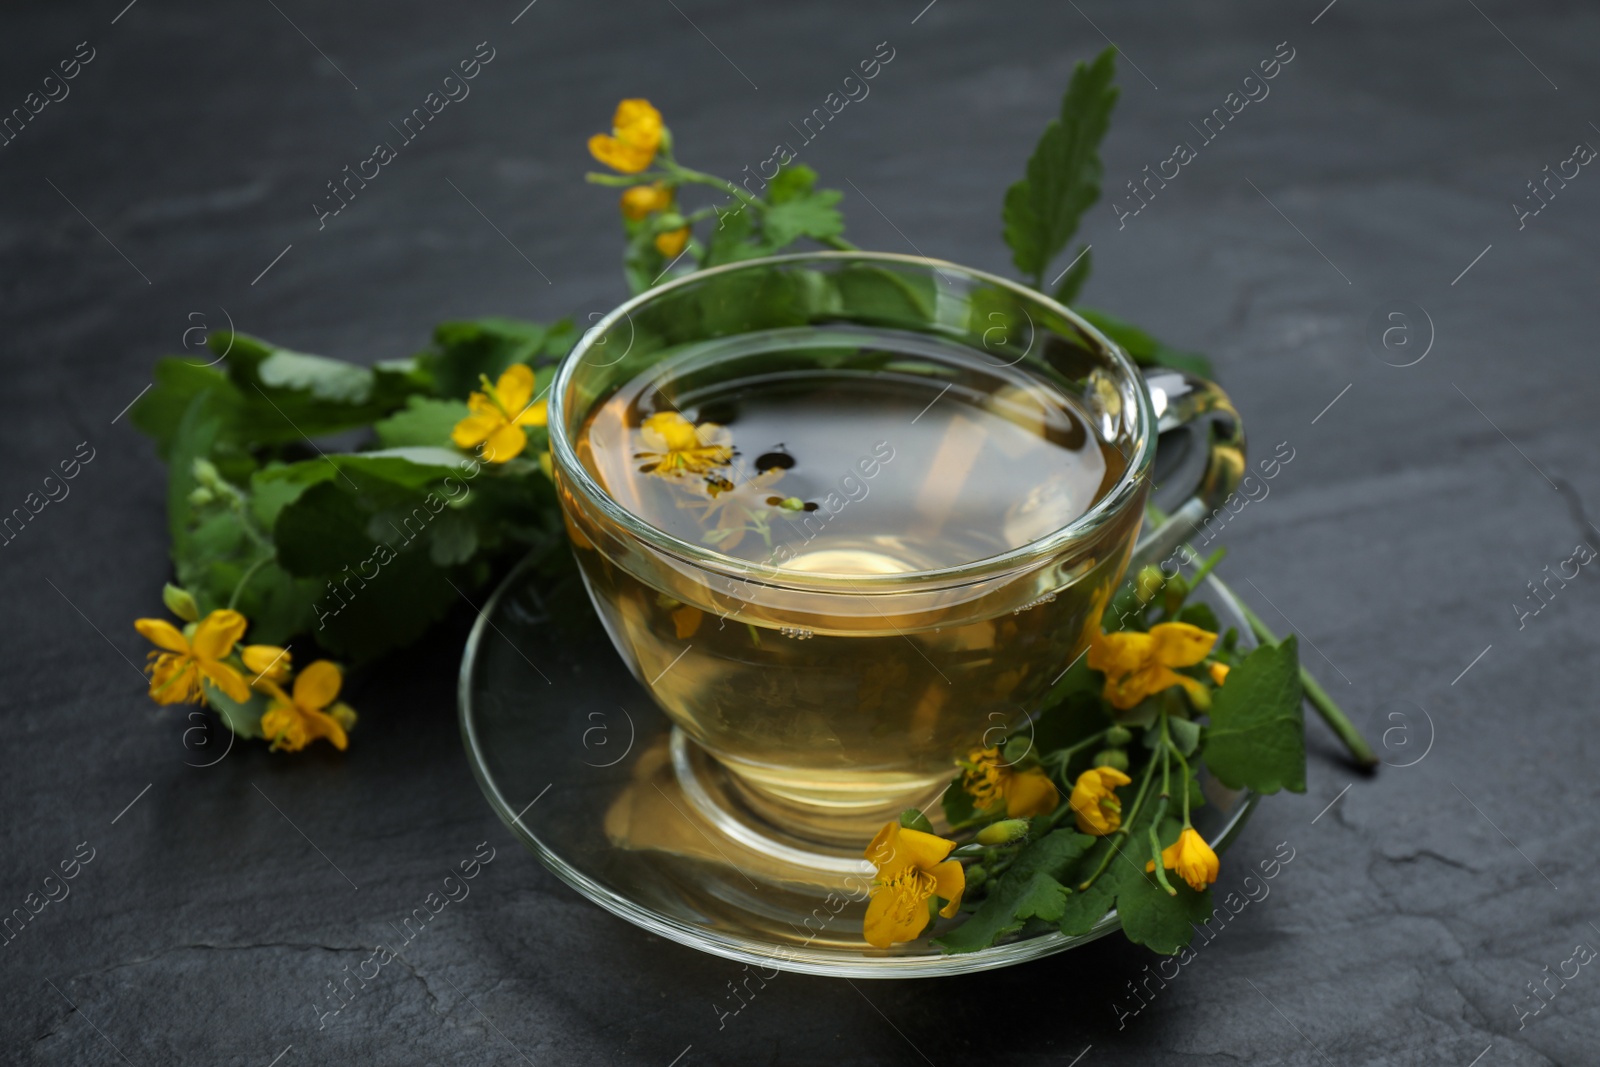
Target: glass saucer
577,760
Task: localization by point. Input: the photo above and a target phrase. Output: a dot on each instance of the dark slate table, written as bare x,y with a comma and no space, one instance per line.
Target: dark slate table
173,188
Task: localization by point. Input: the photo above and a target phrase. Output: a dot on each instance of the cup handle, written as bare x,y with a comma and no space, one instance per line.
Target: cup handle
1199,459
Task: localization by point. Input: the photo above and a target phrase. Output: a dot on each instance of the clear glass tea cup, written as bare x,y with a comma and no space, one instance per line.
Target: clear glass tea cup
813,700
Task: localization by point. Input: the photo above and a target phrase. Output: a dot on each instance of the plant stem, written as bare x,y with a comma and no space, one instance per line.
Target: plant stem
245,579
1155,849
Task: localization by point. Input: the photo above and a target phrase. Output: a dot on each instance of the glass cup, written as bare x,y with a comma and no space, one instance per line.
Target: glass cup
812,706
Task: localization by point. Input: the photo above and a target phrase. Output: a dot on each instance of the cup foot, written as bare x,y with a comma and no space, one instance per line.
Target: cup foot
820,837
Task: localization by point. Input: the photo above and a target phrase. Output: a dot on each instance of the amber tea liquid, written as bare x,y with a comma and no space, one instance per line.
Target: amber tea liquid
839,456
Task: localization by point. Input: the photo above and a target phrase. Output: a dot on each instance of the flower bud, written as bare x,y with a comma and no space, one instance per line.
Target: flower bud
1148,582
1200,699
206,473
201,496
180,602
977,874
1003,832
1112,757
1118,736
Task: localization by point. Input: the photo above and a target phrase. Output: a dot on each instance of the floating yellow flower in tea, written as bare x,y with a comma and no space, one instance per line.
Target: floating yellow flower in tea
1192,858
1094,800
177,673
991,781
292,722
635,137
1137,665
670,443
499,414
912,869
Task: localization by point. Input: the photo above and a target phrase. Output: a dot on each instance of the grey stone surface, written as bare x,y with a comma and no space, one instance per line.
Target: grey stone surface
1417,907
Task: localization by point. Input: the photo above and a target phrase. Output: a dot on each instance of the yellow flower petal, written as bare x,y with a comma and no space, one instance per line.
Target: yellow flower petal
671,243
174,679
1192,858
893,915
217,633
1094,800
505,444
619,155
897,849
642,200
162,634
318,685
949,882
225,678
267,661
535,414
1218,672
1119,653
638,122
668,431
1030,793
1180,644
475,429
515,389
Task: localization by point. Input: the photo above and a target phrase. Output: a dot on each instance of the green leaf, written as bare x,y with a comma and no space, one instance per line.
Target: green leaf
462,351
1076,275
1031,888
1155,920
243,719
159,413
322,532
1063,178
425,421
731,240
798,210
1082,911
913,819
957,804
312,395
793,182
1005,911
1200,614
1256,739
1145,350
1185,734
642,264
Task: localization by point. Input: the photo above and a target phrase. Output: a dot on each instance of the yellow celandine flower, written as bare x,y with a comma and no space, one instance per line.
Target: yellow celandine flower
1218,672
266,663
1095,802
499,413
1192,858
641,200
670,244
1025,793
912,867
292,722
672,443
177,673
634,139
1137,665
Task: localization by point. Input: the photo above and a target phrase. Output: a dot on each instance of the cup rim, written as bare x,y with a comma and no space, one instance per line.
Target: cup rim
565,460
